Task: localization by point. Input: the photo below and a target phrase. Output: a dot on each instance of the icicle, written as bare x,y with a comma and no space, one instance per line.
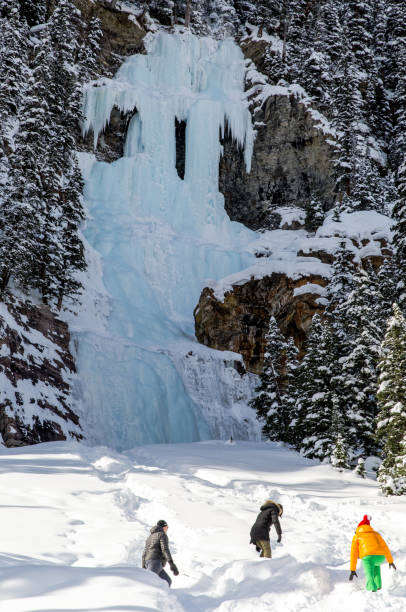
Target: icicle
161,237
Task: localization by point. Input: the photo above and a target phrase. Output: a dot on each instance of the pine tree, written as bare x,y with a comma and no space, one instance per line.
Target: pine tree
377,100
356,381
339,455
65,255
314,432
262,12
399,98
289,415
88,54
22,217
333,39
268,401
399,237
314,214
368,189
347,113
14,60
387,282
377,304
40,246
391,421
33,11
341,282
360,469
360,36
14,74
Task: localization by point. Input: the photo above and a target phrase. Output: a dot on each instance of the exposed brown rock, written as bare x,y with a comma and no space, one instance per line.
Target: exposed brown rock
34,349
292,162
255,50
292,159
123,35
320,254
240,323
111,141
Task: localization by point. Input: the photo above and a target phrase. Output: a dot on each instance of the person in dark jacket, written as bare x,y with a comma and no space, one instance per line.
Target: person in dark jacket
270,514
156,552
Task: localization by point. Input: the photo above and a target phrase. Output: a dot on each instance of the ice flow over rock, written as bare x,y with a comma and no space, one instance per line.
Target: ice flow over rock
159,239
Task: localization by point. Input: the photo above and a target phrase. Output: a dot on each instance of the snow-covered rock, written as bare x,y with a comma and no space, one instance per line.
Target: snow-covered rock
37,373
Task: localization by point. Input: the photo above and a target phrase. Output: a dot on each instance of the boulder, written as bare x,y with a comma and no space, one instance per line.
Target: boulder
240,322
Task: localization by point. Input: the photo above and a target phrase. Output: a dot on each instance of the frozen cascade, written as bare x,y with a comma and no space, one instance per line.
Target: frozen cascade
144,378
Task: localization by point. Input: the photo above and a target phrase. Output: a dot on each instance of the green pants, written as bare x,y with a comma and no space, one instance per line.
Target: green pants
372,567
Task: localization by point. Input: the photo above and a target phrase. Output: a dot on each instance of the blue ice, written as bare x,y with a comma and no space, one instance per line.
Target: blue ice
159,237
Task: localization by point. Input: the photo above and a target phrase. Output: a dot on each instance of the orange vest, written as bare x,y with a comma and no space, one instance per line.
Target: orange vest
368,542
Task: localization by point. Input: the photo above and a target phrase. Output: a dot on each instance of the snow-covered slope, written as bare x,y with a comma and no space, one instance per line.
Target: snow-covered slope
75,520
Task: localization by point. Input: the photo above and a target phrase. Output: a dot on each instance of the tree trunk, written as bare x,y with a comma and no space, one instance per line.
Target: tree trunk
4,280
285,30
188,12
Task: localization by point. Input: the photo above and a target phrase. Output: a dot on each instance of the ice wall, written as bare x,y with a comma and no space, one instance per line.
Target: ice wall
159,238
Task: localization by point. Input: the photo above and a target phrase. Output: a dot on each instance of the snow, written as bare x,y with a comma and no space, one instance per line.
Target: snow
77,519
281,249
309,288
274,42
362,225
260,91
28,397
290,215
153,241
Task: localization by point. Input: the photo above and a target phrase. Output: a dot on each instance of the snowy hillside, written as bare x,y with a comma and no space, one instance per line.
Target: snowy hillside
75,520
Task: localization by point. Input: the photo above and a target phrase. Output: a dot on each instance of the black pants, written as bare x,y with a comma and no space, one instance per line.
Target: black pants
154,565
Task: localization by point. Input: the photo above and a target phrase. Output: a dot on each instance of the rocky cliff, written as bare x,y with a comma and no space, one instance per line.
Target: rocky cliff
293,153
240,322
233,315
37,371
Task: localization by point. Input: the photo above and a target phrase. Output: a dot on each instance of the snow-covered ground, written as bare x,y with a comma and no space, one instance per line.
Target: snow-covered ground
74,521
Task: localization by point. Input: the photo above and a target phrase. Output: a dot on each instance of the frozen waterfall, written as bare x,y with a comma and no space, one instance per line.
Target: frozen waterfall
155,240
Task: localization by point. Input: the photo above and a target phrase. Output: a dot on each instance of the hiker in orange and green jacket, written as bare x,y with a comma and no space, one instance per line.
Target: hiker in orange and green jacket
369,546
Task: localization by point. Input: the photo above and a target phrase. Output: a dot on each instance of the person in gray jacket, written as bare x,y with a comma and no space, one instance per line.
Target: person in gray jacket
156,552
270,513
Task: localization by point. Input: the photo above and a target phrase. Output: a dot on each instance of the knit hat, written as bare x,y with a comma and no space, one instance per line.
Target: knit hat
162,524
365,520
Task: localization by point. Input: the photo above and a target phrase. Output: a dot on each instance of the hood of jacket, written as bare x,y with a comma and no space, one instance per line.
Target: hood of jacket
270,502
364,529
155,528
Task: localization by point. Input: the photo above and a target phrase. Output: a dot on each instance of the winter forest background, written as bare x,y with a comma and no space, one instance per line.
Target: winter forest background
342,399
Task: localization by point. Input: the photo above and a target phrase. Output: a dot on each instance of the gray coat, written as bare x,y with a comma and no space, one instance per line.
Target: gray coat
269,515
157,547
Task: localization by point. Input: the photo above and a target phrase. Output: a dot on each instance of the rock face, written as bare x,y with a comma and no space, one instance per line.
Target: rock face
111,141
123,35
292,161
36,372
240,323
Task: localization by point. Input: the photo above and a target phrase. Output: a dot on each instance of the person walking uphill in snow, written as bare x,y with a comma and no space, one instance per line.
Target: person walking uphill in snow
270,513
156,552
369,546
